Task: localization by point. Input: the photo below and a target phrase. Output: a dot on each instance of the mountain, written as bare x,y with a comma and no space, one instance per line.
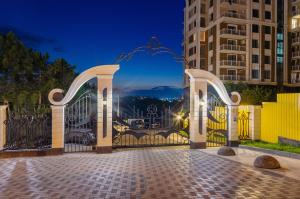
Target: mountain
160,92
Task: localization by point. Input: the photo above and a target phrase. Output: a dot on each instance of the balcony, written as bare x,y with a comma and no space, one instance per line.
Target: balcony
232,2
295,40
233,63
233,77
295,68
295,81
233,47
234,15
233,32
295,54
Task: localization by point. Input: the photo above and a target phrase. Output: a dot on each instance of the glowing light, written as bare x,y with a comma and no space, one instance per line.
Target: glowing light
178,117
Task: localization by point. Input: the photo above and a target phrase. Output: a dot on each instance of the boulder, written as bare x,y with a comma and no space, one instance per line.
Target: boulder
226,151
266,162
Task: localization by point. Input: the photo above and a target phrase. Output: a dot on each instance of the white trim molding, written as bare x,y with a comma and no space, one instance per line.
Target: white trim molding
202,75
105,70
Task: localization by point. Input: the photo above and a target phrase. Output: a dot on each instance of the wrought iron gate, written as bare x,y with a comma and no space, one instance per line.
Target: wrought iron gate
244,125
217,128
152,129
81,123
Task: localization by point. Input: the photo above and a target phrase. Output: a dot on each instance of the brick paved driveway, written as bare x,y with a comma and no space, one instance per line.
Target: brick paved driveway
146,173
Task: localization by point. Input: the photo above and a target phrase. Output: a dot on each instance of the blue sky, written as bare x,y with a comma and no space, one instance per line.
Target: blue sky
95,32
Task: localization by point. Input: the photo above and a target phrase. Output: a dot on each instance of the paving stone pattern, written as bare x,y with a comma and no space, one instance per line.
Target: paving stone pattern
150,173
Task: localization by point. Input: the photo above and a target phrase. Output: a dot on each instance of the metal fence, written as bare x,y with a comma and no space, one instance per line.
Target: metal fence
28,131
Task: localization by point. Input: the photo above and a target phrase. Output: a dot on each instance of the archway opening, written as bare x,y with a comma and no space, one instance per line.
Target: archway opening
148,101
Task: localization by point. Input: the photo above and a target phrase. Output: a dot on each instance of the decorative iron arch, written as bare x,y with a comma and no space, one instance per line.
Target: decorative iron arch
153,47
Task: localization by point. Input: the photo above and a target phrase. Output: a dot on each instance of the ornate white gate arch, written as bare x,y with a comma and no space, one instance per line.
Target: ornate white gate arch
104,75
199,80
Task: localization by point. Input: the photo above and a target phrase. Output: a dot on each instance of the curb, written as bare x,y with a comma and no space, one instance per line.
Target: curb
272,152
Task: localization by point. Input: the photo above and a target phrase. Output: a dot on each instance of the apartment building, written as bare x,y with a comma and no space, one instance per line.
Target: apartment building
292,44
252,41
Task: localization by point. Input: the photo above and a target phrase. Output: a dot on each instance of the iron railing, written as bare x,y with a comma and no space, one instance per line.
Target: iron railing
232,63
149,138
234,15
233,77
230,2
233,32
28,131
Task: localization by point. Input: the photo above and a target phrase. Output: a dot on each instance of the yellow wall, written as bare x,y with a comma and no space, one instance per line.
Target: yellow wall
281,118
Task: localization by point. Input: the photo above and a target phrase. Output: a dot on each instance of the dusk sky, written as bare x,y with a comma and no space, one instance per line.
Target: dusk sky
94,32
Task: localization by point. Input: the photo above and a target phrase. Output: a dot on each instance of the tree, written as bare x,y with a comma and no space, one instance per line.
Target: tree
252,94
27,76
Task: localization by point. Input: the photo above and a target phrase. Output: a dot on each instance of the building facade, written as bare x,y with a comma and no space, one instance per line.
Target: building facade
251,41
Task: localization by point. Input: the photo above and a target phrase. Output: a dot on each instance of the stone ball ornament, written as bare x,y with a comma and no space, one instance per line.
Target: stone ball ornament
56,95
226,151
266,162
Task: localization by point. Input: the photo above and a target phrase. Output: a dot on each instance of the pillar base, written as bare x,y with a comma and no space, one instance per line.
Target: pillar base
104,149
233,143
197,145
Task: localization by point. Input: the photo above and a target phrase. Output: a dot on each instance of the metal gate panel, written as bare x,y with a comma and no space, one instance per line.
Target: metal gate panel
217,127
81,123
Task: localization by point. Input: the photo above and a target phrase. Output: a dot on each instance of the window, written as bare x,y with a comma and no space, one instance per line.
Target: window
211,17
192,38
192,51
202,22
231,57
255,43
210,46
255,13
211,60
268,15
267,45
192,63
232,27
191,2
267,74
256,1
211,3
202,50
255,28
268,2
255,59
231,72
203,8
267,29
202,63
267,60
231,42
255,74
192,25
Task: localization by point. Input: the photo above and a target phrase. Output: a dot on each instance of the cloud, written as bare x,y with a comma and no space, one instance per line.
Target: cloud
33,40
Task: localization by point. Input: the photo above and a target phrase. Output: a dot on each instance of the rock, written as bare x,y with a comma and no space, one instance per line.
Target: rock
226,151
266,162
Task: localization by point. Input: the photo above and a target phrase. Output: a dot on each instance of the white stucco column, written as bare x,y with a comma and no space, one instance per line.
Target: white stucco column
255,122
58,127
198,113
233,137
104,118
3,117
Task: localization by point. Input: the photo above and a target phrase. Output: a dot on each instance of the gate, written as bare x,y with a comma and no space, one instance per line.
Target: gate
217,127
81,123
148,130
